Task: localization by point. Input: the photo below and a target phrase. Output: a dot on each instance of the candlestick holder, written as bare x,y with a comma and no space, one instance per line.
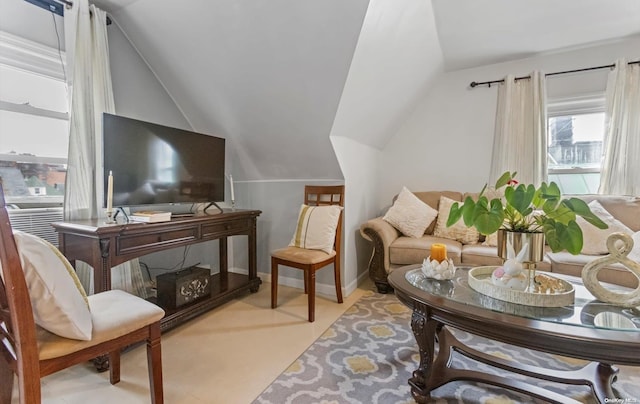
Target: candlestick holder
110,217
438,270
233,204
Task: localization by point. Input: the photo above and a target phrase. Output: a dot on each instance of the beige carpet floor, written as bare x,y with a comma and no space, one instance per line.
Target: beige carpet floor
226,356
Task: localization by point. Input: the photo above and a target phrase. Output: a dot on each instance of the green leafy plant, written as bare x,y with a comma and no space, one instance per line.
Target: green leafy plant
525,208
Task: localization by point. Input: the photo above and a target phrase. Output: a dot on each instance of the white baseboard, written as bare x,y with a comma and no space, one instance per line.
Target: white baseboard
321,288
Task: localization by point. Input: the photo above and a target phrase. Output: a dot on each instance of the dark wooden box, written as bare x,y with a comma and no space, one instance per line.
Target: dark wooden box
186,286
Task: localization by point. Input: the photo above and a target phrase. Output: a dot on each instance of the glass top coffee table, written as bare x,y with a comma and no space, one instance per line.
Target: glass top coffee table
601,333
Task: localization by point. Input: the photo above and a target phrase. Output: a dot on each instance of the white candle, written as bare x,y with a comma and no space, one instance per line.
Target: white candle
233,196
110,192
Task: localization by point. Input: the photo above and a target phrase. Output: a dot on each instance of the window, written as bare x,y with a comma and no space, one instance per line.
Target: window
575,145
34,126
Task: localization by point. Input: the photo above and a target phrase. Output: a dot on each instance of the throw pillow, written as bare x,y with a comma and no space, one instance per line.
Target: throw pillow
491,240
316,228
58,300
459,231
594,239
410,215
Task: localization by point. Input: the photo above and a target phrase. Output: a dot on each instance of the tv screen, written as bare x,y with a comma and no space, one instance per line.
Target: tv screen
155,164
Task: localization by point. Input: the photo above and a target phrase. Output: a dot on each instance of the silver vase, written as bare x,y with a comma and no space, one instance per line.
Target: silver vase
528,248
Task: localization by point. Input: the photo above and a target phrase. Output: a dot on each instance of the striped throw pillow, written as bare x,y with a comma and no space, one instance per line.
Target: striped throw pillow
316,228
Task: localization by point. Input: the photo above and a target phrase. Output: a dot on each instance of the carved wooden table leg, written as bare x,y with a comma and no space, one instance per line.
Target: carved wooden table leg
432,309
601,383
424,329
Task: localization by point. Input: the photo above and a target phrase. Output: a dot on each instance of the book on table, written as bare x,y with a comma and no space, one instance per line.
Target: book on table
150,216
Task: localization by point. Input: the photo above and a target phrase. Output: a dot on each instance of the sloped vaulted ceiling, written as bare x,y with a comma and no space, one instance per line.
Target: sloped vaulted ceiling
265,74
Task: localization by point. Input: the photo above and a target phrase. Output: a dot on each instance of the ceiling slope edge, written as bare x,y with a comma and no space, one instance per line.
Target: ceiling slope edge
397,59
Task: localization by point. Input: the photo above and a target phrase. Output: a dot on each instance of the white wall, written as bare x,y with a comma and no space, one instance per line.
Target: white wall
446,143
137,92
396,60
28,21
394,63
359,164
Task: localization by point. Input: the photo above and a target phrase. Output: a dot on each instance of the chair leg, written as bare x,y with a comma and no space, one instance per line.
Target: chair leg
114,366
29,388
154,363
274,283
6,382
336,269
311,287
306,282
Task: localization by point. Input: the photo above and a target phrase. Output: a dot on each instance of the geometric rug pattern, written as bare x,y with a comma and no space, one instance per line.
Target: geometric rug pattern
369,354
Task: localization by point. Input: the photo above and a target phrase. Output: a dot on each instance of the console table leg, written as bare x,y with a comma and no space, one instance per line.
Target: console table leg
424,330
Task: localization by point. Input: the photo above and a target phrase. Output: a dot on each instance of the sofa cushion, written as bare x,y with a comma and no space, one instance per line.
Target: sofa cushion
595,239
459,231
432,198
491,240
410,215
569,264
478,254
409,250
624,208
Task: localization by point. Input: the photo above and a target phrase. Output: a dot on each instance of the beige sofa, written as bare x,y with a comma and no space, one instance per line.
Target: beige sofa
393,250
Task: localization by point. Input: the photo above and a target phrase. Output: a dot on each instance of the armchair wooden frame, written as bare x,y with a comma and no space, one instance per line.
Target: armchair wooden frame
314,195
19,352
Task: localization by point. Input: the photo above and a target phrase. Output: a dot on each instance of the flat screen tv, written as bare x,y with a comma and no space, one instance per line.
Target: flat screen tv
155,164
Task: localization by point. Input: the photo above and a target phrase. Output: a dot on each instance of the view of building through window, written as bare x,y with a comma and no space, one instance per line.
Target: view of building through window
34,129
576,140
575,148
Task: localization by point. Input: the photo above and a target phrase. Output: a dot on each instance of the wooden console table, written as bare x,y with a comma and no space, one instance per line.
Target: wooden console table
104,246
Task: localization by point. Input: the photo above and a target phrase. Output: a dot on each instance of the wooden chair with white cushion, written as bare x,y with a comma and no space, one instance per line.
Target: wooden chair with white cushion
316,242
47,323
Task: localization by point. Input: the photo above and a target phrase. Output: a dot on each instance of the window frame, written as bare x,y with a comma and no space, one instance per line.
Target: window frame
34,58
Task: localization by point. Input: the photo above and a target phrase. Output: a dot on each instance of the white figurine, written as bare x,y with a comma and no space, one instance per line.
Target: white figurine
510,275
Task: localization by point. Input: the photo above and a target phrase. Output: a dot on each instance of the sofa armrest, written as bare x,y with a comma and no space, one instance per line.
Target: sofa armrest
381,234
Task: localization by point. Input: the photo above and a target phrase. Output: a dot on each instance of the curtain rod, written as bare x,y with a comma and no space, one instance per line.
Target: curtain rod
69,3
474,84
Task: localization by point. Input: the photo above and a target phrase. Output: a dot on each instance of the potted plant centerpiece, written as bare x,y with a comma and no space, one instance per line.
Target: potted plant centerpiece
524,217
527,209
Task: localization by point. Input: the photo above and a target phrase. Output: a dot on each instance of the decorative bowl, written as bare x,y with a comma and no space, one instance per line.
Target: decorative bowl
441,271
480,281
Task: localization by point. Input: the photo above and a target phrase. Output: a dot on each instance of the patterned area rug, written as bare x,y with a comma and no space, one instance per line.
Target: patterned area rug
368,355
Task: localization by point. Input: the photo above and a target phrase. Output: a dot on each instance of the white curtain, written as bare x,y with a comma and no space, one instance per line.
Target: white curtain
91,94
620,173
520,139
